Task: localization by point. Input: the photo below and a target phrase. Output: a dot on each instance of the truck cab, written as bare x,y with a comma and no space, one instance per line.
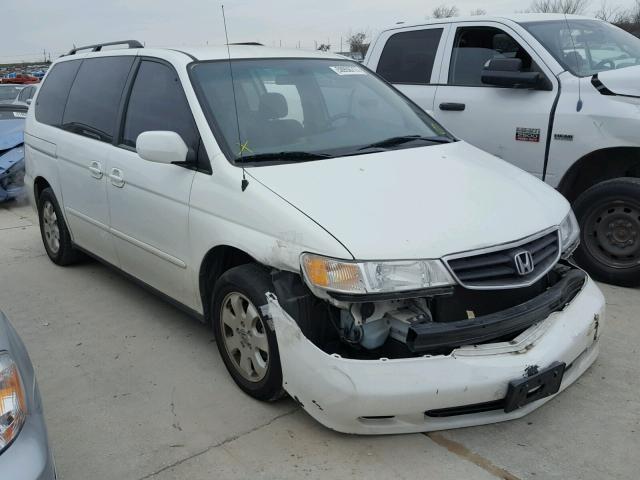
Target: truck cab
555,95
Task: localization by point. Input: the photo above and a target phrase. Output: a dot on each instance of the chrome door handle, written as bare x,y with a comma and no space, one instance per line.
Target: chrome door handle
96,170
116,178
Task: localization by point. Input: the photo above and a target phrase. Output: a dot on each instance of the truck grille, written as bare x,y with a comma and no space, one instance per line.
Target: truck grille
499,268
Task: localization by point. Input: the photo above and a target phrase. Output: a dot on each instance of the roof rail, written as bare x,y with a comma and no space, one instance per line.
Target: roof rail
98,46
253,44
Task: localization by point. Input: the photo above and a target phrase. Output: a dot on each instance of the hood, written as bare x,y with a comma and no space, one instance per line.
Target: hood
417,203
11,133
624,81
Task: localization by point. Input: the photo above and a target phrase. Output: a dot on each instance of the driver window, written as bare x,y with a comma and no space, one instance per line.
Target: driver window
475,47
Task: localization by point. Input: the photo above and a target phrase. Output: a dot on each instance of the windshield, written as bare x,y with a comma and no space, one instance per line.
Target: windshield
8,93
586,47
307,109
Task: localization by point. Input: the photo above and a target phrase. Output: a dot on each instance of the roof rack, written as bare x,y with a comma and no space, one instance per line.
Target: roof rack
98,46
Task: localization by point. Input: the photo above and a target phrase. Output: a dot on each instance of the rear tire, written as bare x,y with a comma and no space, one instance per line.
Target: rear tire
55,234
246,341
609,217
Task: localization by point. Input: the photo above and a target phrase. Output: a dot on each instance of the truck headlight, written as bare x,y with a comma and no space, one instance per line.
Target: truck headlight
569,234
12,401
373,277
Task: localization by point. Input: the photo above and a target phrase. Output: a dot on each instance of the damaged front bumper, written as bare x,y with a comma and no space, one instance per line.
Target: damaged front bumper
433,392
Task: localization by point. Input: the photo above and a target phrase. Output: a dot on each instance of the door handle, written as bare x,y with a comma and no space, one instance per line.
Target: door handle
96,170
116,178
453,107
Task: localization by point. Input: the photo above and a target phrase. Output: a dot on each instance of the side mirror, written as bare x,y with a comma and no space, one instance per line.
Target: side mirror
29,100
161,147
507,72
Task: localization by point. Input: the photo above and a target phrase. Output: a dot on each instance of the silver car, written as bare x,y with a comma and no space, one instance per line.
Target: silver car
24,448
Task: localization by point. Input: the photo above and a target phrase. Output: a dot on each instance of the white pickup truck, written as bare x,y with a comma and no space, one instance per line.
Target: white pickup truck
556,95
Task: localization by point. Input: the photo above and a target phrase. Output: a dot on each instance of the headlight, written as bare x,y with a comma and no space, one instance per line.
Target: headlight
373,277
12,401
569,234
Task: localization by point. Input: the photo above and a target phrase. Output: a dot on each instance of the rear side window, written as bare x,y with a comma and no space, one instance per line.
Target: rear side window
408,57
54,92
94,99
157,102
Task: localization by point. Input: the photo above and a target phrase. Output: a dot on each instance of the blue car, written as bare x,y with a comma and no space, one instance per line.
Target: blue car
12,119
24,448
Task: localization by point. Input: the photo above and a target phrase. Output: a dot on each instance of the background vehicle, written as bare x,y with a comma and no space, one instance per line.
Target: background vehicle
9,93
557,96
287,204
24,447
19,78
12,119
26,95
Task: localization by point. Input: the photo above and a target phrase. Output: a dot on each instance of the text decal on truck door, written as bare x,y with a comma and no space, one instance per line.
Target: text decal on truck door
528,134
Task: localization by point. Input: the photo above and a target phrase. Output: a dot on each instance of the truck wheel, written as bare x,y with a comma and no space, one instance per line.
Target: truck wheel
55,235
246,341
609,217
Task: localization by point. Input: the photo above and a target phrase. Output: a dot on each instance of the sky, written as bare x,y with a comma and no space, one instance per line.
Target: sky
31,26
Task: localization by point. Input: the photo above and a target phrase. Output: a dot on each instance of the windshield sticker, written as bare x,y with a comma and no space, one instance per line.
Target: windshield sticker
348,70
528,135
20,114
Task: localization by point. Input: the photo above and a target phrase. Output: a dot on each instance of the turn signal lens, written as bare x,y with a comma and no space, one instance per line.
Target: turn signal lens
373,277
12,401
332,274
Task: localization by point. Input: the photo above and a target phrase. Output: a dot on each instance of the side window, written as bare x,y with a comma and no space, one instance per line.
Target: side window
157,102
54,92
408,57
475,47
24,94
94,99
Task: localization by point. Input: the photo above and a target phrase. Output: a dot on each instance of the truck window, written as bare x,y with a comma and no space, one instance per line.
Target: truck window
408,57
474,47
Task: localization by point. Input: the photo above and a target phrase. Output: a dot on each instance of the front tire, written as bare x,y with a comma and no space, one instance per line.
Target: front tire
246,341
55,234
609,217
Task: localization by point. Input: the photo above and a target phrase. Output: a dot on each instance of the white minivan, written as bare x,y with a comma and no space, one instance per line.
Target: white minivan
556,95
345,247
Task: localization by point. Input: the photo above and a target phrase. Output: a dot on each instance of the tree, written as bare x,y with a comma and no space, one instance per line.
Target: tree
610,13
444,11
576,7
358,43
324,47
478,11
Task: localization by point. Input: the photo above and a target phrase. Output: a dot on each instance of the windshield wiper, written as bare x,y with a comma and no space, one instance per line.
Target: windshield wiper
393,141
283,156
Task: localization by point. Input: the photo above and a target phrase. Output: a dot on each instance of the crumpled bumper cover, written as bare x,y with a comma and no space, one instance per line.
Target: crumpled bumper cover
393,396
11,173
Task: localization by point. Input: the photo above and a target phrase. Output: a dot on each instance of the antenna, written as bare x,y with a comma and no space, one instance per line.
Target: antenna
579,105
245,182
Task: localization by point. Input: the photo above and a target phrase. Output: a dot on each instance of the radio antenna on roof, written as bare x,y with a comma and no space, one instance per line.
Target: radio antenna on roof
245,182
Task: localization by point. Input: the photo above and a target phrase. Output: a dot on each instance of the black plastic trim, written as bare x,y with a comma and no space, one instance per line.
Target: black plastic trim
380,297
426,337
552,118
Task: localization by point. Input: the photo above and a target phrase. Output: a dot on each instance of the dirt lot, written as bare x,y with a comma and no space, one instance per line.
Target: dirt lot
135,389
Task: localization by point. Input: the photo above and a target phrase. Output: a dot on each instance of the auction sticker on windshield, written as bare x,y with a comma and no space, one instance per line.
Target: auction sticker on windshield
348,70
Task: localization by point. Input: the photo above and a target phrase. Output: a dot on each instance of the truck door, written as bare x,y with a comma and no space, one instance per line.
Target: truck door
511,123
411,61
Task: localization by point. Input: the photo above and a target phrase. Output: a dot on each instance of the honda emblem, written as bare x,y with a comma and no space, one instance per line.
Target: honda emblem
524,263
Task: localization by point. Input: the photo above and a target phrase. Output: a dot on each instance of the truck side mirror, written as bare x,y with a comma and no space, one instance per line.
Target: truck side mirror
507,72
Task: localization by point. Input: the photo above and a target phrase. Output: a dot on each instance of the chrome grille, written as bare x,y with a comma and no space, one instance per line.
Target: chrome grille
496,267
